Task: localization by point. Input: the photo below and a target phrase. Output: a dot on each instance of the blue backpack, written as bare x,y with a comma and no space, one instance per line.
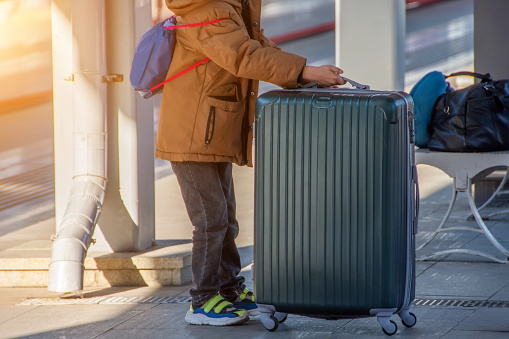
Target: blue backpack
425,93
152,57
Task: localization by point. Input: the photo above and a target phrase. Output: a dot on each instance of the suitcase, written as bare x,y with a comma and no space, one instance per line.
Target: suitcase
336,204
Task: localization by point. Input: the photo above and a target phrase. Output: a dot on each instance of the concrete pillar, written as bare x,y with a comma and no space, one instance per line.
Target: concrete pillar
491,51
370,42
127,220
491,38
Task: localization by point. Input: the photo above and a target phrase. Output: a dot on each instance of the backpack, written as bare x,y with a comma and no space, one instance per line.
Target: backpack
425,93
472,119
153,55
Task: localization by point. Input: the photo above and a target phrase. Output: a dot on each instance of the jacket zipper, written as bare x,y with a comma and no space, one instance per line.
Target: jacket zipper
246,17
244,135
210,125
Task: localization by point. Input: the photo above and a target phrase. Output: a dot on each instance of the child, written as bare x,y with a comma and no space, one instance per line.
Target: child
205,126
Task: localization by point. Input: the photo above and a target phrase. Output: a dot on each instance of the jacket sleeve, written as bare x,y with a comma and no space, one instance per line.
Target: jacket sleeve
228,45
266,42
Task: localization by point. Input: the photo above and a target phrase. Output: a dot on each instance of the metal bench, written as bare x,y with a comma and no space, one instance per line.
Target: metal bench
463,168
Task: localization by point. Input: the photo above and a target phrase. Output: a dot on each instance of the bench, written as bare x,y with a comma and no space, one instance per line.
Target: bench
465,169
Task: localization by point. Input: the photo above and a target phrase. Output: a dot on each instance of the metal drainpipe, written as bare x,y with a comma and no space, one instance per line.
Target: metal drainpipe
74,235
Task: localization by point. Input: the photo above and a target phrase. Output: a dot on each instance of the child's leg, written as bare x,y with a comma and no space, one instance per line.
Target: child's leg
231,283
202,186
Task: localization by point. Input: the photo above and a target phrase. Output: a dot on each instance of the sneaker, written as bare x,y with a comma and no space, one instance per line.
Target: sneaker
216,312
246,301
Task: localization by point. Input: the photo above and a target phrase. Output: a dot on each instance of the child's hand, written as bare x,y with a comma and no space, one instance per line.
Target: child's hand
324,76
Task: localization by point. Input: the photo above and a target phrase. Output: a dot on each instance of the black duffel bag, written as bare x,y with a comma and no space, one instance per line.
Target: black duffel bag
473,119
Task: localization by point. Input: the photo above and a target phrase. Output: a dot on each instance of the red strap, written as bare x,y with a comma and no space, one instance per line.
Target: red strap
194,25
196,64
179,74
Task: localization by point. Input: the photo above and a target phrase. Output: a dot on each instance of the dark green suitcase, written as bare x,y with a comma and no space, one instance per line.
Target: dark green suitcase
335,205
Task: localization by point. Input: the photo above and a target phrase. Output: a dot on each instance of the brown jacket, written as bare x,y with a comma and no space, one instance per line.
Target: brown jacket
207,114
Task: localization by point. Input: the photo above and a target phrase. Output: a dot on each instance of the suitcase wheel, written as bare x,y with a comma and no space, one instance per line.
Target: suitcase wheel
388,326
408,319
390,329
270,317
281,317
271,323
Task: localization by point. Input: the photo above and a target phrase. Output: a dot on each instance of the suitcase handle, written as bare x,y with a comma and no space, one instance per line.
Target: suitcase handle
355,84
417,198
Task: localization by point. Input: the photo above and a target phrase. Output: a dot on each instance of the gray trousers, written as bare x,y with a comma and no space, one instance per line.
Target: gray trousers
207,189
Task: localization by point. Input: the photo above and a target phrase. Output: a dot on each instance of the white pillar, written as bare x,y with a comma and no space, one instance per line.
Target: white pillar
491,38
74,234
62,103
370,42
127,219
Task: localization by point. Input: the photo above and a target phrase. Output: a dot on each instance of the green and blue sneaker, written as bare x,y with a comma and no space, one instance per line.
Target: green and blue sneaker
246,301
216,312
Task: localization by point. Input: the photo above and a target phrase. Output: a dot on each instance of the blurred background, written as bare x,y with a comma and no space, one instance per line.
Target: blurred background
439,36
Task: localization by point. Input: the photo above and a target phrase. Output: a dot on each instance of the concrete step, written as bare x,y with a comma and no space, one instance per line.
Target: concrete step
166,264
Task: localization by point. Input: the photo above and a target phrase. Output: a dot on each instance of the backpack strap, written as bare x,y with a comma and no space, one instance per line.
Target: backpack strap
196,64
179,74
195,25
484,77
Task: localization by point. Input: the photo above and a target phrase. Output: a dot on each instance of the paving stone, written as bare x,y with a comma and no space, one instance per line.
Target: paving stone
462,279
293,327
502,294
73,320
426,315
431,323
146,291
420,267
299,324
11,312
486,319
159,317
370,328
170,332
365,327
500,231
454,334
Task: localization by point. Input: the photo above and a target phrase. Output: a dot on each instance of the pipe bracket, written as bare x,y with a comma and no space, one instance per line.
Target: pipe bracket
113,78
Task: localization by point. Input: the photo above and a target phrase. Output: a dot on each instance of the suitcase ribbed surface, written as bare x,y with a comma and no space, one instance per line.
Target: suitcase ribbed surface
331,210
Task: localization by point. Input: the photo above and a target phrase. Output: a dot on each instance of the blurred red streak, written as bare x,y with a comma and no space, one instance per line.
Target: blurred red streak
303,33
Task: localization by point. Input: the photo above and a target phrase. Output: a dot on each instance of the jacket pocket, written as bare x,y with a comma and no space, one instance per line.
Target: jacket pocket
224,127
225,93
